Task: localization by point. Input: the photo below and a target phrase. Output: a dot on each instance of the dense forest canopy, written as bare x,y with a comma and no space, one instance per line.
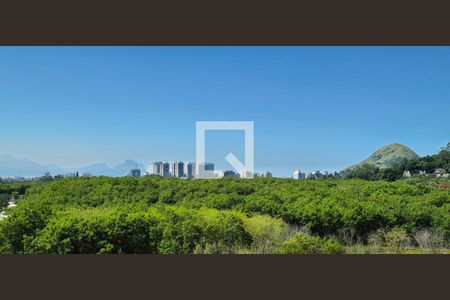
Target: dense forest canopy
264,215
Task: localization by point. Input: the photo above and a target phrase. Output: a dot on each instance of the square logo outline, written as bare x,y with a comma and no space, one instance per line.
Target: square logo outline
246,169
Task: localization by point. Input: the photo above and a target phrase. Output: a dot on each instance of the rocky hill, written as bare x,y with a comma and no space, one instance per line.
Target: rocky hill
389,155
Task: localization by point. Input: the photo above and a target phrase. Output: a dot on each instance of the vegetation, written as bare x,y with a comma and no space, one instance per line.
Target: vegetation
4,200
414,166
389,155
302,243
264,215
12,190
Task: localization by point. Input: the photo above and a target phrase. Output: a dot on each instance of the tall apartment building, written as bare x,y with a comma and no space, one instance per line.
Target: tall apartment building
178,169
155,168
165,169
189,169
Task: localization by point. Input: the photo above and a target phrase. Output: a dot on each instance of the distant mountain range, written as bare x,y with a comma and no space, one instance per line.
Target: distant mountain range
10,166
387,156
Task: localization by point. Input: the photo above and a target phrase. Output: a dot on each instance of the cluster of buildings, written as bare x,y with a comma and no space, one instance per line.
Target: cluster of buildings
438,173
177,169
263,174
314,175
15,179
180,169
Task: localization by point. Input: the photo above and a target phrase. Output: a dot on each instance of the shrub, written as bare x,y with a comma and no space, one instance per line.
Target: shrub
397,240
302,243
121,229
429,240
376,241
267,233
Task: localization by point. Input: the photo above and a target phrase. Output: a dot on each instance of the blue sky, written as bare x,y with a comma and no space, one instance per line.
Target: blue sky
313,107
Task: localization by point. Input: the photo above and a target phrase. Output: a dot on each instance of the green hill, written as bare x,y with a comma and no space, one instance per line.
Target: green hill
389,155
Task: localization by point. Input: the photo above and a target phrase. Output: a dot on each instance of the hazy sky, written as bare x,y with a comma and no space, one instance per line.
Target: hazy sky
313,107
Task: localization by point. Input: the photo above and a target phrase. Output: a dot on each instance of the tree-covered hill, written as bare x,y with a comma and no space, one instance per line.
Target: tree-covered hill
436,165
389,155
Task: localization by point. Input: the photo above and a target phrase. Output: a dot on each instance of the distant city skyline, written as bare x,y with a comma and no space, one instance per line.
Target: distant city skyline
314,108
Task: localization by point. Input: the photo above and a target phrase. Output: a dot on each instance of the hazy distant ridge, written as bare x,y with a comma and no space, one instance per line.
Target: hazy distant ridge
10,166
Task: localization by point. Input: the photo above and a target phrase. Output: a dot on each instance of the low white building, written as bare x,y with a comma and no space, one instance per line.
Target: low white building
298,175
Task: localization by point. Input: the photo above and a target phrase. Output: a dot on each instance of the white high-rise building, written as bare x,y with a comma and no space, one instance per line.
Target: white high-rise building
155,168
298,175
178,169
